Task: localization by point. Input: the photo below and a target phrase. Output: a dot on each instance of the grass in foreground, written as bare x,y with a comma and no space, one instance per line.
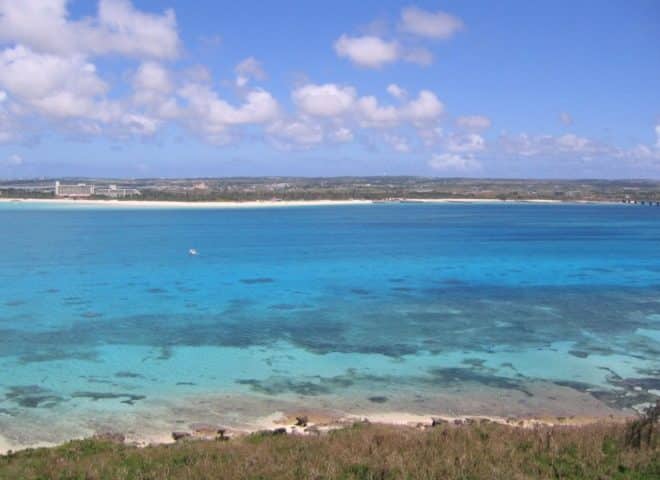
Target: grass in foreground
483,451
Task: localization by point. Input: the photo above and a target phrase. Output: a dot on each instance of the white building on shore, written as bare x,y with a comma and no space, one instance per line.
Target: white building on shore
113,191
82,190
79,190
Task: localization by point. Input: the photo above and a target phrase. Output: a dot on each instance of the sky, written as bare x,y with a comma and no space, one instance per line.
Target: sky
174,88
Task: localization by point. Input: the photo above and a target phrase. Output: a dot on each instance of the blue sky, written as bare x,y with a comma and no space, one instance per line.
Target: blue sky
206,88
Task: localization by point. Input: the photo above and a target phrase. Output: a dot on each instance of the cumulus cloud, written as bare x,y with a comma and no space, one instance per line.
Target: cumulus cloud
247,69
396,91
152,76
140,125
370,51
438,24
640,155
453,162
420,56
51,85
425,108
574,151
306,132
464,152
657,135
534,145
422,110
49,77
287,134
328,100
118,27
342,135
211,116
473,122
468,143
431,135
397,142
153,88
367,51
47,70
372,114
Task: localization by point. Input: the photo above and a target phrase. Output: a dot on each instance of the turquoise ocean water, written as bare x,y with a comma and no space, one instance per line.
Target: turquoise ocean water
504,309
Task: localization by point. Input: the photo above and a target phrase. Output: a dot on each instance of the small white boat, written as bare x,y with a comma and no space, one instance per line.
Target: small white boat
192,252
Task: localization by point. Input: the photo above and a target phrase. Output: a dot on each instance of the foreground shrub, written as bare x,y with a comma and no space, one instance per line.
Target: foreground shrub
488,451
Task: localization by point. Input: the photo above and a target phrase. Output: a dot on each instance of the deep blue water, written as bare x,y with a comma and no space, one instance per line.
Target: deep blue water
103,308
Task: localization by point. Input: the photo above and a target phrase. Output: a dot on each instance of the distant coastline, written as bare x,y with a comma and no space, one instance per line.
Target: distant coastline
282,203
295,191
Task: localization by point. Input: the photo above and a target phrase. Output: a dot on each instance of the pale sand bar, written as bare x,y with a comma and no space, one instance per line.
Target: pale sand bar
268,203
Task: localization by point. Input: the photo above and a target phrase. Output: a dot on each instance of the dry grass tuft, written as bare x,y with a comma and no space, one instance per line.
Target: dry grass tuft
478,451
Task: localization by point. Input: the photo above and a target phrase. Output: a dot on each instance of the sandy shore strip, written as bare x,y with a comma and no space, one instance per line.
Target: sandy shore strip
182,204
278,203
320,421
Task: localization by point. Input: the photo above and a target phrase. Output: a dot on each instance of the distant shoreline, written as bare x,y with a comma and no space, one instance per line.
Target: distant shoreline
281,203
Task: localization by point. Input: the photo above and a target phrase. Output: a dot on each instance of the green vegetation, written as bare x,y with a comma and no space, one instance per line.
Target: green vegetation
477,451
342,188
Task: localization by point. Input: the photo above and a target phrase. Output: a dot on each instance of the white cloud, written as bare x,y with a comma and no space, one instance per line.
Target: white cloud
569,145
3,96
140,124
49,84
370,51
431,135
473,122
124,29
367,51
429,24
453,162
574,151
48,72
422,110
247,69
154,92
306,132
251,67
571,142
396,91
198,74
420,56
212,116
397,142
328,100
288,134
657,134
566,118
640,155
342,135
372,114
467,143
118,27
425,108
152,76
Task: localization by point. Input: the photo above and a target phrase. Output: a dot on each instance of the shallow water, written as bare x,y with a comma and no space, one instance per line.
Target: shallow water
511,309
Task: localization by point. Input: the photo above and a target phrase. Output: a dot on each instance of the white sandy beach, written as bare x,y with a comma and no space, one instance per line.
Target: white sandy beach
182,204
259,204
